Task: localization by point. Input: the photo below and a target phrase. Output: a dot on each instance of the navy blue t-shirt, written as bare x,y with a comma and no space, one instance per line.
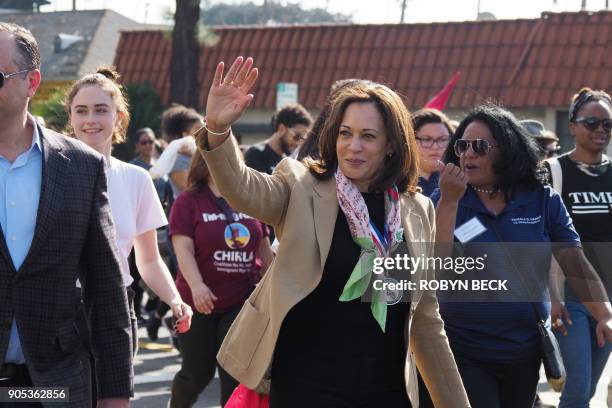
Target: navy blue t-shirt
507,331
429,185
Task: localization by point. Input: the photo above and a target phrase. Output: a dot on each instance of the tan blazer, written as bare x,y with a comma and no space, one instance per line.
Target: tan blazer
303,211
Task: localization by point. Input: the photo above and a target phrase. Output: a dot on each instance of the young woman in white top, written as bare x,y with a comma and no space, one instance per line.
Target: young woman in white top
99,117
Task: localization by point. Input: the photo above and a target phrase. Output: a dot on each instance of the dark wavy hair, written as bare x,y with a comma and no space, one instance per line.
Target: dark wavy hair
290,116
310,147
517,162
400,169
177,119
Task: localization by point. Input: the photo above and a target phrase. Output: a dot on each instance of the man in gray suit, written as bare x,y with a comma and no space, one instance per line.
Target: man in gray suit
56,227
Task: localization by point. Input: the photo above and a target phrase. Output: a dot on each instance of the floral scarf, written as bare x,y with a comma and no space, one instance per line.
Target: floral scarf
373,243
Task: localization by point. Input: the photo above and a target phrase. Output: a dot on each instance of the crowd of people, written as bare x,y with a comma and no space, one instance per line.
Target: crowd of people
264,254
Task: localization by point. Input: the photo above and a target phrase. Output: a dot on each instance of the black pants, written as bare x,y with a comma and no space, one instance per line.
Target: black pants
133,320
284,397
342,383
135,286
163,308
199,347
495,385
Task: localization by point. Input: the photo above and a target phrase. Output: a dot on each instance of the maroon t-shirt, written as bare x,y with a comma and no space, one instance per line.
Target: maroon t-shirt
225,252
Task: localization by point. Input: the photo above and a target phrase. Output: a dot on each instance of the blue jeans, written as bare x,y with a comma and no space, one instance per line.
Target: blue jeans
584,360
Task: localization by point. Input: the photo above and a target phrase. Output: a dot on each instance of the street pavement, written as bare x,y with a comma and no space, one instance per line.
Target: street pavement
154,368
157,363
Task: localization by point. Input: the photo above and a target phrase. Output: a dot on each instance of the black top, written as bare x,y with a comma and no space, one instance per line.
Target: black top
587,194
262,158
340,343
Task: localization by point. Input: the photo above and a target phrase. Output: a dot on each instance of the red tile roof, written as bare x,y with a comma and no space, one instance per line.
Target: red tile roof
520,63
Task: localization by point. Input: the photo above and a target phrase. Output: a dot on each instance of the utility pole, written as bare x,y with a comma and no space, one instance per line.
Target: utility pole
583,6
73,5
403,10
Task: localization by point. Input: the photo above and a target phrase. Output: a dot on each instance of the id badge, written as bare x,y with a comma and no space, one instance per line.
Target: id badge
469,230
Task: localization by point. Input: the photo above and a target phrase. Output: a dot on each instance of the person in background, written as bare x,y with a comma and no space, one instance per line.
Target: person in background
99,116
291,125
547,141
146,156
222,254
178,124
144,147
433,131
547,144
587,193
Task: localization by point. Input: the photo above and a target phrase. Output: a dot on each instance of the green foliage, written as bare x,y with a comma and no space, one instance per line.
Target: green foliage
249,13
206,36
52,110
145,110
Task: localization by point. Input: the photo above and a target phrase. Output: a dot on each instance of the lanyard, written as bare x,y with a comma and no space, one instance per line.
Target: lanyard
381,241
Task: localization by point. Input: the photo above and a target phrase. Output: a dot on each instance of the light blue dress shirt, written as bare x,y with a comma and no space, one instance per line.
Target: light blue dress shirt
20,184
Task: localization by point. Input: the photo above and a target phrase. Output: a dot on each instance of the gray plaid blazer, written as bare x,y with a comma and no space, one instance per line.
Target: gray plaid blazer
74,238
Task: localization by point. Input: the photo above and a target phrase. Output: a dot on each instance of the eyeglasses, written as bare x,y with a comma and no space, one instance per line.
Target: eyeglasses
5,76
592,123
146,142
478,146
429,142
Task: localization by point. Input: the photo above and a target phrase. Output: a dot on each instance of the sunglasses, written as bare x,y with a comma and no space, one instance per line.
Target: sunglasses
479,146
146,142
592,123
5,76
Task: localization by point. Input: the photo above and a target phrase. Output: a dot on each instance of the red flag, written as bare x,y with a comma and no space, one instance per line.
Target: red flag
438,101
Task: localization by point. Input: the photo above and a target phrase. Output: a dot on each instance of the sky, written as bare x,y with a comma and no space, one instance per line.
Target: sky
363,11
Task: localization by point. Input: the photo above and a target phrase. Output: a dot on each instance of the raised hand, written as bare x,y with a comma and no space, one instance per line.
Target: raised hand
229,94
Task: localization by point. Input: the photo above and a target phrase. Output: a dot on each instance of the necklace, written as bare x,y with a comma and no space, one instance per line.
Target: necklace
482,190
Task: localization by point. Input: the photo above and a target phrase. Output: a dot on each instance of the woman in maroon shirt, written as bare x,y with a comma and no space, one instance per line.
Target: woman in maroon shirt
221,255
